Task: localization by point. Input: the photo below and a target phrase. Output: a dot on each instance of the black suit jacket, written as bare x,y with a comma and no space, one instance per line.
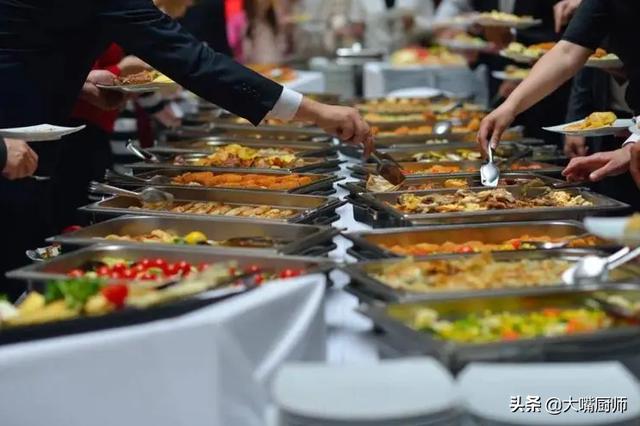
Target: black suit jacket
47,48
206,21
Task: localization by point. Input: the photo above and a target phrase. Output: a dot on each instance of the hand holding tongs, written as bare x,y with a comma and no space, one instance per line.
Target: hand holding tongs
388,167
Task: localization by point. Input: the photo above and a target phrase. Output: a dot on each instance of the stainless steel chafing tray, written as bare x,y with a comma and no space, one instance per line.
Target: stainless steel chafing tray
467,168
470,136
322,184
364,283
474,182
210,144
311,209
375,244
59,266
187,132
395,323
304,240
311,164
386,215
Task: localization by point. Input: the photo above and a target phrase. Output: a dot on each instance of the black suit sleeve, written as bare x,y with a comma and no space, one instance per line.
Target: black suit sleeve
3,154
140,28
590,24
581,102
539,9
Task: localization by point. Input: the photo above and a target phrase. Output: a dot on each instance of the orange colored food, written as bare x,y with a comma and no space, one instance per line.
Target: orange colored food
235,180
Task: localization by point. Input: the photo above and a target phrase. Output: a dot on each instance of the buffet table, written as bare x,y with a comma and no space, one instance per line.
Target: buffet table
381,78
307,82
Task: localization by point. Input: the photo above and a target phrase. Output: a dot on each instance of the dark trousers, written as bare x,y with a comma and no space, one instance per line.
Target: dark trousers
84,156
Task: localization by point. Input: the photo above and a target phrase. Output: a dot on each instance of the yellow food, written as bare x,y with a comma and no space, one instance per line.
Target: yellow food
595,120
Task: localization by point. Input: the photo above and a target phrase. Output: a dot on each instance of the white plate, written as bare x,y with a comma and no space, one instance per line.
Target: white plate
604,63
618,126
634,129
501,75
519,25
612,228
518,57
464,45
39,133
140,88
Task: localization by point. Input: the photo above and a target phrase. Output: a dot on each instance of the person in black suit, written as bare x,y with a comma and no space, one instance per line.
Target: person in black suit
206,21
47,49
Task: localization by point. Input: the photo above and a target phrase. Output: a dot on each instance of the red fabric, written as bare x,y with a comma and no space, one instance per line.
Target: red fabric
83,110
233,7
145,131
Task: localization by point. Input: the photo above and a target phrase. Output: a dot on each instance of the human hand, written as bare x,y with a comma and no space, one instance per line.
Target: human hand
563,11
168,117
598,166
493,125
104,99
499,36
575,146
132,65
343,122
22,161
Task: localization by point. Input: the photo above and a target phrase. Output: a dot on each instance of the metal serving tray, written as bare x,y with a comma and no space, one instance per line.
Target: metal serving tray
211,143
58,267
302,240
612,344
37,274
311,164
188,132
322,183
311,209
385,215
417,169
363,283
371,244
473,181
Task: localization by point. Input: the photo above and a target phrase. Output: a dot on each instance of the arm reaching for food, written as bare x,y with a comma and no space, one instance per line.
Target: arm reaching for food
596,167
549,73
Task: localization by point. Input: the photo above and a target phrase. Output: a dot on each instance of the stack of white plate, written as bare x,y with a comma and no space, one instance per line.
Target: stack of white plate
492,392
408,392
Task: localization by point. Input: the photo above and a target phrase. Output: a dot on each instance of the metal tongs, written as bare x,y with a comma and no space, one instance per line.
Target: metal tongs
388,167
142,153
595,269
148,196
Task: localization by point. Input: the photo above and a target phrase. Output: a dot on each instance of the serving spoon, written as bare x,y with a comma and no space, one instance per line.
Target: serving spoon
547,245
388,168
594,269
489,172
148,196
442,128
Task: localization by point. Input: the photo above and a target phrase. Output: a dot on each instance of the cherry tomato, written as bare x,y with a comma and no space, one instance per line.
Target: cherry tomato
116,275
253,269
171,269
465,249
116,294
144,263
71,228
139,268
184,267
289,273
516,244
119,267
232,271
259,279
75,273
147,276
158,263
203,266
103,271
129,274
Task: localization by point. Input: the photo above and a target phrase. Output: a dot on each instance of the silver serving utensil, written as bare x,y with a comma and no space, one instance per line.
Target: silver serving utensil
142,153
594,269
561,185
549,245
112,175
489,172
442,128
388,168
147,196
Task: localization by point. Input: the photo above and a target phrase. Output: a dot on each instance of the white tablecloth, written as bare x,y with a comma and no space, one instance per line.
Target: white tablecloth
381,78
308,82
211,367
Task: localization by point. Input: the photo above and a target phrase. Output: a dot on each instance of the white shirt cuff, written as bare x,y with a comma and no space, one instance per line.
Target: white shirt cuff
632,139
287,106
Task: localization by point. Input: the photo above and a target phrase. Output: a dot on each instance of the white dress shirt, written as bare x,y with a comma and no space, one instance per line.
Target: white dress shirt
287,105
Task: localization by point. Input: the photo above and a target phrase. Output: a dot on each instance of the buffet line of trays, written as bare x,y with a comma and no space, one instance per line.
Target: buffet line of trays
247,207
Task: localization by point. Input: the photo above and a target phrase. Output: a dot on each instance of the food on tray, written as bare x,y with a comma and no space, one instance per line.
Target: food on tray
140,270
236,180
380,184
222,209
603,55
466,39
277,73
235,155
595,120
373,117
163,237
520,243
507,18
472,126
439,168
435,56
533,52
455,155
633,224
480,272
395,105
488,327
143,77
493,199
88,296
516,73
